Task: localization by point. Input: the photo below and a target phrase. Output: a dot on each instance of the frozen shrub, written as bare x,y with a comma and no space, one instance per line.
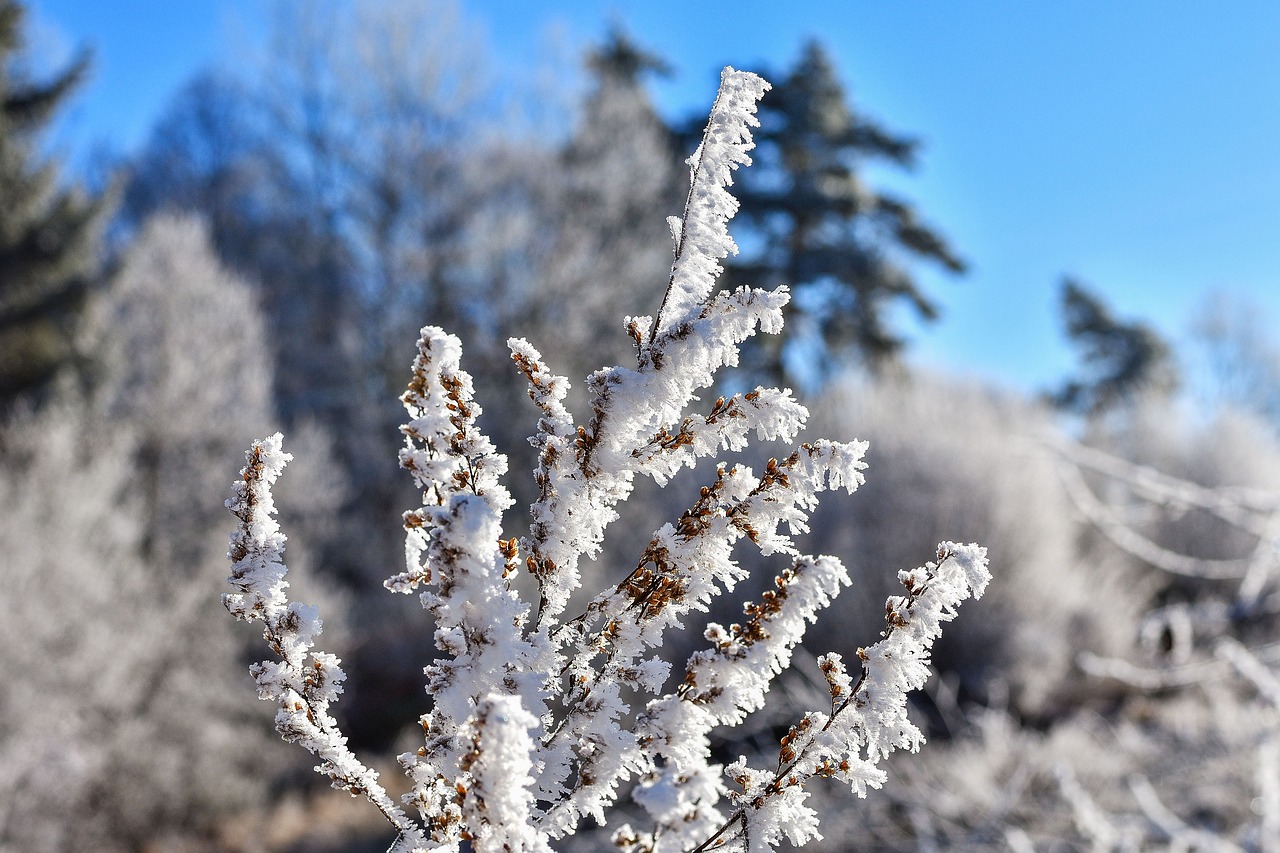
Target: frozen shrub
536,720
1169,564
184,374
1231,450
1191,510
183,392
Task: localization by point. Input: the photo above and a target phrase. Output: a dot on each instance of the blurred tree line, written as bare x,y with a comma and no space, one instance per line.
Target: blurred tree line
265,262
365,179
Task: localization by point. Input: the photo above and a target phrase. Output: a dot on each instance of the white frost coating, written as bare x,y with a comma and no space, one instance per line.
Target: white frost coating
684,566
301,690
559,481
704,239
457,555
1251,668
721,686
531,725
592,471
874,719
772,414
499,801
864,725
257,545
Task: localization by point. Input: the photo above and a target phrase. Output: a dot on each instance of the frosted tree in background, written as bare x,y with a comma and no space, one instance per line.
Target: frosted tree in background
538,719
184,398
122,716
952,455
1120,360
846,249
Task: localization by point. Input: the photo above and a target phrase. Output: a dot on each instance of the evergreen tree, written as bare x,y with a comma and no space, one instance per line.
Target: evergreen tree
48,234
841,246
1120,360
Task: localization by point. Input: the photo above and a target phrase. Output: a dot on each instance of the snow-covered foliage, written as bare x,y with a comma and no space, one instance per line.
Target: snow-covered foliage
123,719
537,721
1205,525
1132,623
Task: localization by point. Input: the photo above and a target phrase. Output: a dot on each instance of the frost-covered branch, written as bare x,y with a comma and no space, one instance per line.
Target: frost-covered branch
1239,506
302,689
1197,640
1124,536
536,721
1253,511
1180,836
702,237
456,554
1094,823
868,719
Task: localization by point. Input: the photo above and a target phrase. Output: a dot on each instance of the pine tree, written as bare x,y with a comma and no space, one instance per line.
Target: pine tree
48,233
840,245
1121,360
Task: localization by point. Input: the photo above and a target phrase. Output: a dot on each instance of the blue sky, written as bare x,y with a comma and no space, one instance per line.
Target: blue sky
1135,145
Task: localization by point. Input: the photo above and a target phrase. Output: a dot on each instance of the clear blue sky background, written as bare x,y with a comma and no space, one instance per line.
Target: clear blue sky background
1135,145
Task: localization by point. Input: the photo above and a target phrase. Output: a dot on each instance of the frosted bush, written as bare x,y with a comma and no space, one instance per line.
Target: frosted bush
124,721
184,393
121,721
1232,450
537,718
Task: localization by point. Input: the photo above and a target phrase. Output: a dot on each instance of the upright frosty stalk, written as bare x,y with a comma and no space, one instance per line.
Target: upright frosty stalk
302,690
585,473
702,236
531,725
455,551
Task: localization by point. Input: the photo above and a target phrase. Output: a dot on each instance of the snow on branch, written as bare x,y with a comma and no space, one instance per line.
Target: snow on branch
1239,506
702,239
1178,634
536,721
301,689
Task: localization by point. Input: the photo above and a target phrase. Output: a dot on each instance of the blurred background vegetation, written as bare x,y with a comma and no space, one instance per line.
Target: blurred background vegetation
264,261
